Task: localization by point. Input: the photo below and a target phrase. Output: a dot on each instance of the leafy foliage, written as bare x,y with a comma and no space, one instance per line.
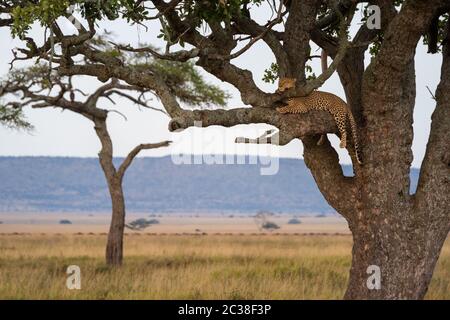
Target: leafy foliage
271,74
47,11
215,10
184,79
187,83
309,72
11,114
44,11
26,13
36,75
13,118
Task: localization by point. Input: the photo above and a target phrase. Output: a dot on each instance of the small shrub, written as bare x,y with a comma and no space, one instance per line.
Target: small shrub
141,224
294,221
270,226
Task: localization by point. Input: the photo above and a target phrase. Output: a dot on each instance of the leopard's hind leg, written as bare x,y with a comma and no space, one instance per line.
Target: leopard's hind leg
340,122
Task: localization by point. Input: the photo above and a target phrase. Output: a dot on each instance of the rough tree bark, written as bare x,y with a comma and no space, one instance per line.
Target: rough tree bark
391,228
114,246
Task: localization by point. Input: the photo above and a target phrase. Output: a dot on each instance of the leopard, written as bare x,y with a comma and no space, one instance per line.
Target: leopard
321,100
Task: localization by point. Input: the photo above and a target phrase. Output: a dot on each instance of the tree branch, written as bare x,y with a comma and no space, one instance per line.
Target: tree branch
132,76
299,23
340,54
323,162
290,126
133,153
271,38
181,55
340,9
398,50
267,28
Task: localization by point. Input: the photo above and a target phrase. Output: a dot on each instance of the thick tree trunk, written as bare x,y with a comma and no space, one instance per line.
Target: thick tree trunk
401,251
114,247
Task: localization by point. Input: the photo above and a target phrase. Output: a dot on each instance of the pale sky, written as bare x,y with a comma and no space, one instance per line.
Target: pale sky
67,134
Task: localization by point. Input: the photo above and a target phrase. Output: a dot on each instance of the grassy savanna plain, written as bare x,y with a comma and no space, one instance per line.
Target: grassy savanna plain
245,266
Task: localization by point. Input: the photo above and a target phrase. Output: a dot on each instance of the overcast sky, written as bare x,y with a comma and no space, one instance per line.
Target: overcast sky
66,134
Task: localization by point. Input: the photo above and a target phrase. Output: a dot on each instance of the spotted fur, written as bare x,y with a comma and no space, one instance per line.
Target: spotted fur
319,100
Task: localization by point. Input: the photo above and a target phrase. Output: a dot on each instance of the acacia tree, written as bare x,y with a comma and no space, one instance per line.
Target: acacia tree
38,88
399,232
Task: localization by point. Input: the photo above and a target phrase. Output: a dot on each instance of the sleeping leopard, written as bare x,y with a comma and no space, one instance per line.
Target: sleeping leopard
319,100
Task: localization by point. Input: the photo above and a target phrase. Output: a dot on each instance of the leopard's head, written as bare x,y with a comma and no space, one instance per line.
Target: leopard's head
286,84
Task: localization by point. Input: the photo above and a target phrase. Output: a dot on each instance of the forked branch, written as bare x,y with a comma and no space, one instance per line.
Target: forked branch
133,153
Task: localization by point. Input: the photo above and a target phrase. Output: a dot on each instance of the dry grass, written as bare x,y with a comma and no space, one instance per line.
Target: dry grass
186,267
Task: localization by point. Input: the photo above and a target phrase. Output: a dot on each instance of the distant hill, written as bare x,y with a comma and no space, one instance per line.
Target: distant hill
158,185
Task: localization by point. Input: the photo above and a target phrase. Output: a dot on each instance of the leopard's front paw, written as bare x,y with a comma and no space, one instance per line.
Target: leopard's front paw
282,110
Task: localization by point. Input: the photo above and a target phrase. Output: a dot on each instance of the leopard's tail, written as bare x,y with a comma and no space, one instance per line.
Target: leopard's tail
354,128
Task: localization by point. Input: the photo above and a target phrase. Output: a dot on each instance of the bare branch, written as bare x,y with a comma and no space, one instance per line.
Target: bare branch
119,113
134,100
100,92
268,137
268,27
431,93
272,38
181,55
133,153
